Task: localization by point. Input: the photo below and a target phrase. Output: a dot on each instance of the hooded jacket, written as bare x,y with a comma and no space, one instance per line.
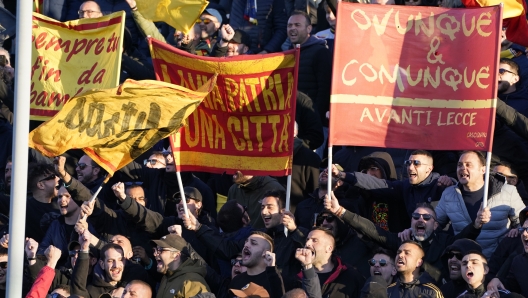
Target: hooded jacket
518,99
504,203
344,281
249,194
384,212
315,74
421,287
187,281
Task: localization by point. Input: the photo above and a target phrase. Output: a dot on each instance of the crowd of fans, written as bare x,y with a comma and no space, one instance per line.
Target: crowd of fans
398,223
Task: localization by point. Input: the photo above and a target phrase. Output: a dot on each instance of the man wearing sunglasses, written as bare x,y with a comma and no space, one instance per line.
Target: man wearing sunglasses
452,256
512,93
423,226
461,203
423,185
382,264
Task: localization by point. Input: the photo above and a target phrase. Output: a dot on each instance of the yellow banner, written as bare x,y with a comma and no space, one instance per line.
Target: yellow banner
115,126
180,14
71,58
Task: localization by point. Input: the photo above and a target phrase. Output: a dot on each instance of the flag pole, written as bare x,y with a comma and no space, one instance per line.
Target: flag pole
329,182
288,192
486,180
182,193
17,222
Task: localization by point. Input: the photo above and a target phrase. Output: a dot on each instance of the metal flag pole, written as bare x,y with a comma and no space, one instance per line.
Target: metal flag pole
288,193
17,224
486,180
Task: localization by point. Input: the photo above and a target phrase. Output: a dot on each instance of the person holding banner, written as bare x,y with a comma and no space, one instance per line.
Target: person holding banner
461,203
423,227
423,185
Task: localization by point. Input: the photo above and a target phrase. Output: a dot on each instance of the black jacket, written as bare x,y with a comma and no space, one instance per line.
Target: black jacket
400,191
315,74
310,126
516,280
421,287
433,247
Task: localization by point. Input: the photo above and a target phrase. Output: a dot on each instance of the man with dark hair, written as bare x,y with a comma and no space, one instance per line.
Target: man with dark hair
383,264
183,275
89,173
410,281
336,278
461,203
259,259
423,226
512,177
231,42
513,94
453,255
423,185
315,66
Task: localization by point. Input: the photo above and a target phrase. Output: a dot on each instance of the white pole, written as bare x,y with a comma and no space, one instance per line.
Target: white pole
329,190
182,194
17,218
486,180
288,192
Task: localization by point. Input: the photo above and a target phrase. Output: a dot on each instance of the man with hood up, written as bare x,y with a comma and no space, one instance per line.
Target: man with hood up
452,256
382,211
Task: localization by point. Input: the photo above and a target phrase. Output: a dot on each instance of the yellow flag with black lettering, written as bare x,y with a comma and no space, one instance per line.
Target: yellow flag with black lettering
115,126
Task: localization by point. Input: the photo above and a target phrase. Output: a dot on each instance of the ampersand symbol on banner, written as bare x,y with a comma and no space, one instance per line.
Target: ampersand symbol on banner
433,56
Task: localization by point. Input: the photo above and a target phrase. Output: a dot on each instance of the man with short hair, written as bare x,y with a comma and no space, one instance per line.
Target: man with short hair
423,185
137,193
336,278
513,94
512,177
461,203
315,66
423,226
137,288
259,259
410,281
89,173
383,264
183,275
89,10
453,255
155,161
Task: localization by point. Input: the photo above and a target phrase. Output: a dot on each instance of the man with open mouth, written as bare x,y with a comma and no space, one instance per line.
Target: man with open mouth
452,256
410,280
423,226
423,185
382,264
461,203
336,279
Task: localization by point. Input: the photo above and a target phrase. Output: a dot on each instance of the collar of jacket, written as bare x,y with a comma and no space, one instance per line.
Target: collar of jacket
337,263
479,291
252,184
495,184
427,181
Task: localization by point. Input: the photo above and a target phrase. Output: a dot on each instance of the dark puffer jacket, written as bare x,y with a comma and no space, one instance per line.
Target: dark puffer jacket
315,74
420,287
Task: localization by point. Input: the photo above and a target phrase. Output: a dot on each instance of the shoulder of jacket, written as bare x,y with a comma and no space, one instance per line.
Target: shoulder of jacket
436,290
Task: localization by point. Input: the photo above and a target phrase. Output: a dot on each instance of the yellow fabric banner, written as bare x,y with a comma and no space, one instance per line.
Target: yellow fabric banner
114,126
512,8
71,58
180,14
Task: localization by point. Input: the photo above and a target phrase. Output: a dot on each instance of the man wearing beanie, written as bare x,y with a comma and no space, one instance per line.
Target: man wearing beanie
453,255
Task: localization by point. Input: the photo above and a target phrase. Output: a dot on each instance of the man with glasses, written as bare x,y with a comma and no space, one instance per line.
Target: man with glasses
506,169
89,10
423,226
452,256
155,161
335,277
183,276
382,264
423,185
513,94
461,203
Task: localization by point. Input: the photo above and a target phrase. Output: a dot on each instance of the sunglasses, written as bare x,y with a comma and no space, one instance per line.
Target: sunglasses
502,71
382,262
321,219
187,200
522,229
152,162
236,261
3,265
73,253
417,216
414,162
134,183
83,166
204,21
50,177
458,255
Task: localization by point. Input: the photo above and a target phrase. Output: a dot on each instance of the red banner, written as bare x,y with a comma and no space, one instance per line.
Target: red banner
415,77
246,123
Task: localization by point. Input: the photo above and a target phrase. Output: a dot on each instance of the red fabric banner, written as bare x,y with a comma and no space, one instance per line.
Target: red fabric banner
415,77
246,123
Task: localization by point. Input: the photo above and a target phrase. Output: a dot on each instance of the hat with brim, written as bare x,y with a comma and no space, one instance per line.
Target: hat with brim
251,290
190,192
